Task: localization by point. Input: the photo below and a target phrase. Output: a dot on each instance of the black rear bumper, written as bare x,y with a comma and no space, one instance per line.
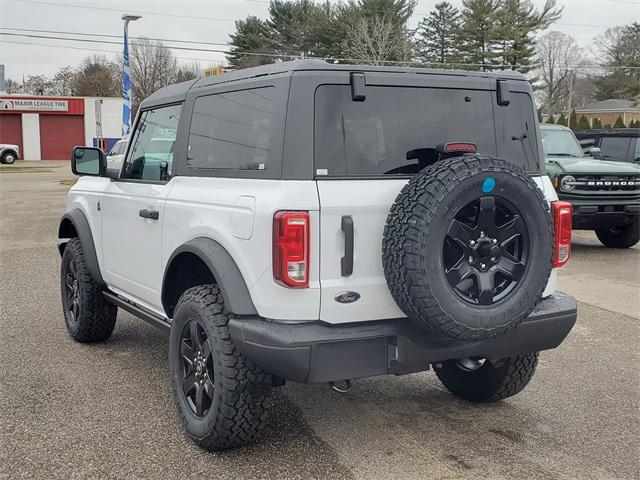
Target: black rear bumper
590,215
315,352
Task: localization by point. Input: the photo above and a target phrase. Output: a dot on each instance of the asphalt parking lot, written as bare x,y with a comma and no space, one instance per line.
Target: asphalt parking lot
92,411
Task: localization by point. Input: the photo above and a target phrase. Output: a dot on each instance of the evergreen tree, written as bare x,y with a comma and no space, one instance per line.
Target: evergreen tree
478,32
619,123
437,34
550,120
583,123
573,120
251,36
596,123
517,22
301,28
540,115
562,120
607,126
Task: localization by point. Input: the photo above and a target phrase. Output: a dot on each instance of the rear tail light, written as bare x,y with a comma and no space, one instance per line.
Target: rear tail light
562,213
291,248
460,147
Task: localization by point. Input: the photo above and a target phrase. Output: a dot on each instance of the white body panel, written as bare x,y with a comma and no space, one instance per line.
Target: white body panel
368,203
131,245
238,213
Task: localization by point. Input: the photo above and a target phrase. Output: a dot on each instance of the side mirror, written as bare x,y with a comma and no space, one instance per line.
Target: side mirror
88,161
595,152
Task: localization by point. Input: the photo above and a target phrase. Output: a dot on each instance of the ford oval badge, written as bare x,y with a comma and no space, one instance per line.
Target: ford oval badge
347,297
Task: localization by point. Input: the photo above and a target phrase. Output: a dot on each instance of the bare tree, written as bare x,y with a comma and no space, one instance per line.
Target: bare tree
376,41
152,67
37,85
618,52
62,83
557,56
12,87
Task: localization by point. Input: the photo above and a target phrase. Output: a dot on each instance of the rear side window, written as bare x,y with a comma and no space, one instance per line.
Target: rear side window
516,134
636,156
615,148
232,130
397,129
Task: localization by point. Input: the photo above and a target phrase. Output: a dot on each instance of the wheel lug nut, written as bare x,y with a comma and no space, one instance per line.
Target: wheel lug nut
483,266
472,243
494,241
494,259
482,234
470,259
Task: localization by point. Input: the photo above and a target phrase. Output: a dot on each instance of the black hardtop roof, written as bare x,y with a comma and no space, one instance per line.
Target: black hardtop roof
609,132
177,92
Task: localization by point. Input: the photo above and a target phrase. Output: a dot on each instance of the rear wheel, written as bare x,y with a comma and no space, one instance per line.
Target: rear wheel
480,380
620,237
222,398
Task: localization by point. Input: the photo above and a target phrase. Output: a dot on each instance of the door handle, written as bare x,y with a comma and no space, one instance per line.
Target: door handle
346,263
147,213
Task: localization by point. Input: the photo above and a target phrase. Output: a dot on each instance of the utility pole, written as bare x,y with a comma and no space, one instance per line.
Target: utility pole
569,110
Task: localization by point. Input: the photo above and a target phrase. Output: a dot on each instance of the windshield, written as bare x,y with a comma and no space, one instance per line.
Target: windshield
560,143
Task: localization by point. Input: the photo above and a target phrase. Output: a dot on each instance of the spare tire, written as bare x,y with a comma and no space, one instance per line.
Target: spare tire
468,247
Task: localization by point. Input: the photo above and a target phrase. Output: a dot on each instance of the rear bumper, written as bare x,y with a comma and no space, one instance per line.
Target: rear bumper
588,215
316,352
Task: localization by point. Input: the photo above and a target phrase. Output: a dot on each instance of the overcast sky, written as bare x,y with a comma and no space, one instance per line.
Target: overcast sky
208,21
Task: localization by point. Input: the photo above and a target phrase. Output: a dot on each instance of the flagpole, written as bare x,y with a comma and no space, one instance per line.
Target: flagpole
126,78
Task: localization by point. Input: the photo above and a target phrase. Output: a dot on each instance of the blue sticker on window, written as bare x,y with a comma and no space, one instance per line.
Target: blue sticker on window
488,185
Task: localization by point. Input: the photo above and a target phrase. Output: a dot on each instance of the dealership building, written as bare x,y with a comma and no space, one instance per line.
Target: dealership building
47,128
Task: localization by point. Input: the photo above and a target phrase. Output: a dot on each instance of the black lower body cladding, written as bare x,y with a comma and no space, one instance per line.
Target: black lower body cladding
468,247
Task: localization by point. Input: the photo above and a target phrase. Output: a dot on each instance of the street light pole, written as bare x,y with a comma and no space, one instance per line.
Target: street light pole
126,77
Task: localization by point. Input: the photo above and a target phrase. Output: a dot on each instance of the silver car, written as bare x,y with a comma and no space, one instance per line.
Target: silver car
116,154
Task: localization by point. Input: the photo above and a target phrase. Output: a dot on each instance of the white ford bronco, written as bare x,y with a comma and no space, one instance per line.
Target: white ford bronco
313,222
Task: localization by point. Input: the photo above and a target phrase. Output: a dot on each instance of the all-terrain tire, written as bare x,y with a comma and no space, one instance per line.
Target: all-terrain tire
239,408
620,237
488,383
88,315
414,237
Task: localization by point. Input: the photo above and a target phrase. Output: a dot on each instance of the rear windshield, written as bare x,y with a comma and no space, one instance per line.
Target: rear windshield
396,130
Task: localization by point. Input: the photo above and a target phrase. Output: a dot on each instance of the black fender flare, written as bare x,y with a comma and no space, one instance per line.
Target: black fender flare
80,223
224,269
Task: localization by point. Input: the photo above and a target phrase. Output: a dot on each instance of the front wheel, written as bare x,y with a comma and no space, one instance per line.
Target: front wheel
620,237
88,315
480,380
221,396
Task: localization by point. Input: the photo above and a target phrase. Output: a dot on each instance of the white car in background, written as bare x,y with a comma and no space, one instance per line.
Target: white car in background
9,153
116,154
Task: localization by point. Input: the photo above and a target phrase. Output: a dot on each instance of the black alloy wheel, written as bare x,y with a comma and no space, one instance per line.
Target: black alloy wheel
485,250
197,368
72,292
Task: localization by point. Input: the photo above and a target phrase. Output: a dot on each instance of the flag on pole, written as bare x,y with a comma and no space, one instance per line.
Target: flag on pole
126,86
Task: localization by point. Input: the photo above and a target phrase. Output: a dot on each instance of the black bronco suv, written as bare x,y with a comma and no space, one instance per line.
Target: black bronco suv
318,223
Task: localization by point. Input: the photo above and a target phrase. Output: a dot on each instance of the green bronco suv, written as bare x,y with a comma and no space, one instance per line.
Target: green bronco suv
605,195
